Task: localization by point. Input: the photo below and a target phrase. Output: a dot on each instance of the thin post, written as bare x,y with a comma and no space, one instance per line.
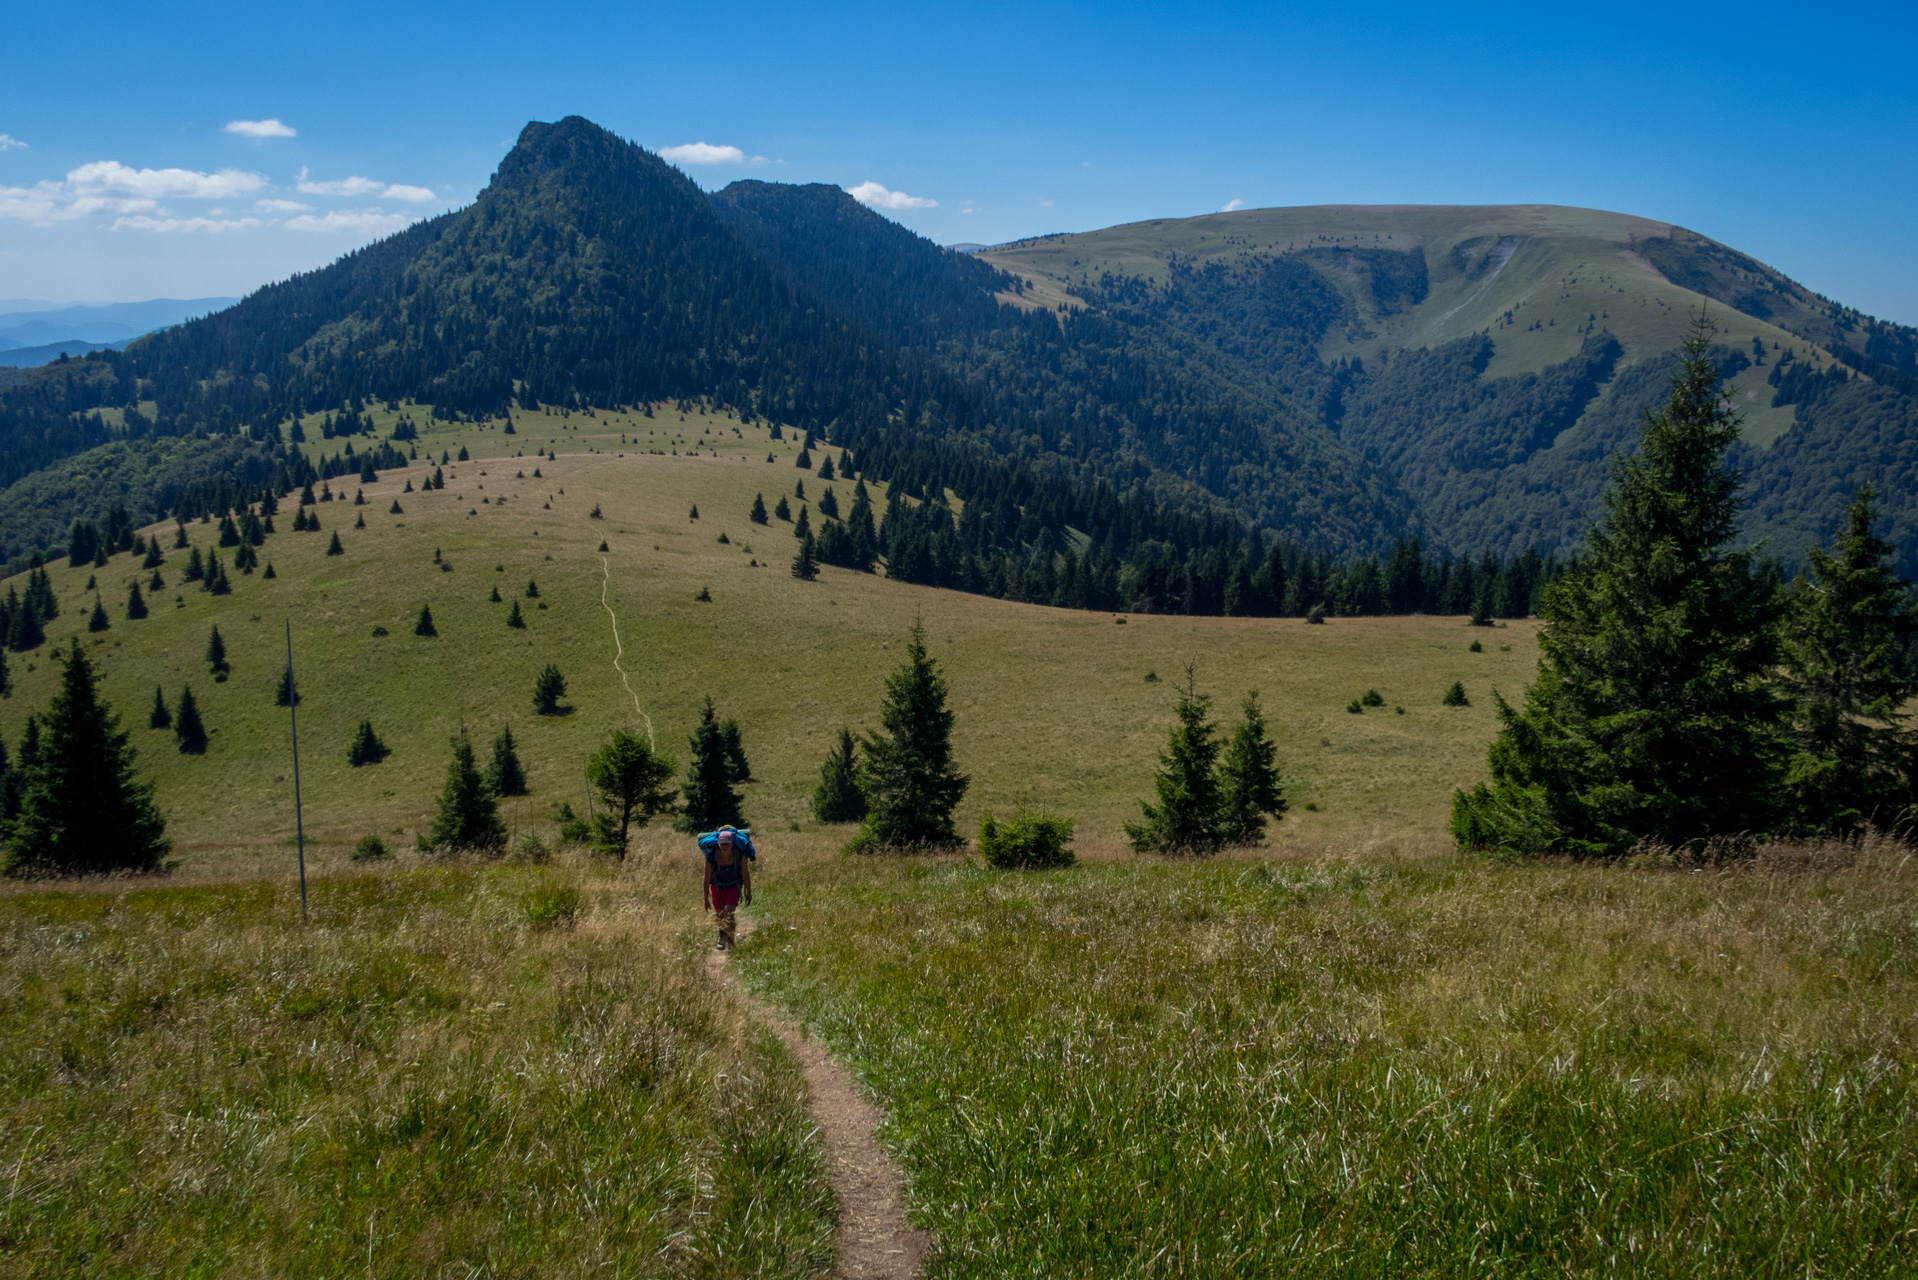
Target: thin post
293,711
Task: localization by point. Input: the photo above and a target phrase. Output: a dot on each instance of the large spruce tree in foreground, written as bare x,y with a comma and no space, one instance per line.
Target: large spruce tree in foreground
1654,716
910,783
82,810
468,818
710,800
1854,761
1187,819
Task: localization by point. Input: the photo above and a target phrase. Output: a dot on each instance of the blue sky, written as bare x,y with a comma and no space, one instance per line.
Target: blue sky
1784,132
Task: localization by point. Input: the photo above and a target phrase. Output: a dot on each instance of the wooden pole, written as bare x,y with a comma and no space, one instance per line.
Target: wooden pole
293,710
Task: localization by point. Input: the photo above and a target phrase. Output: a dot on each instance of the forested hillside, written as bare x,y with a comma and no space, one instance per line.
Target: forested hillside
1143,416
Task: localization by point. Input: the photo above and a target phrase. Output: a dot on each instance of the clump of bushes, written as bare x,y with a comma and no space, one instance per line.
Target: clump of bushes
1032,842
371,849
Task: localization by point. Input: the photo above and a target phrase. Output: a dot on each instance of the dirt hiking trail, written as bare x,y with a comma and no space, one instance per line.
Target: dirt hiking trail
874,1239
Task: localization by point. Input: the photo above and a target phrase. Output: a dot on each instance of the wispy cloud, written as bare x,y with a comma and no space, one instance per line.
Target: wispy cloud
8,142
142,222
361,221
874,196
281,206
270,128
1230,205
358,186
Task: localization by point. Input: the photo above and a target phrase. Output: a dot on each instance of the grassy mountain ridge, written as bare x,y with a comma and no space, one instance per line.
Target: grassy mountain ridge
1342,376
1511,294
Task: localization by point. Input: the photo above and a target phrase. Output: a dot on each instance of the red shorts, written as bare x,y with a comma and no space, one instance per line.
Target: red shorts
724,899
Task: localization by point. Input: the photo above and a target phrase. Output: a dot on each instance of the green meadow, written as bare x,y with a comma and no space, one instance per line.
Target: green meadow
1350,1051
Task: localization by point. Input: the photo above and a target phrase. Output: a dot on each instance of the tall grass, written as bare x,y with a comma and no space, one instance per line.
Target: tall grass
1429,1065
451,1071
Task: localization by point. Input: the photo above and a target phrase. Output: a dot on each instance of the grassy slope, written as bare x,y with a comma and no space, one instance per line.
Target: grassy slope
1572,264
509,1071
1053,705
1401,1063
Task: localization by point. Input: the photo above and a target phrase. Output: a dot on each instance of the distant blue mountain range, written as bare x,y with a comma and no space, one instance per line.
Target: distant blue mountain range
49,329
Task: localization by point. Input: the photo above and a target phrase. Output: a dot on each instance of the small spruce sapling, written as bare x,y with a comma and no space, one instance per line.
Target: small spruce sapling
548,689
366,747
514,620
216,656
159,717
97,620
424,626
333,548
839,797
188,728
505,775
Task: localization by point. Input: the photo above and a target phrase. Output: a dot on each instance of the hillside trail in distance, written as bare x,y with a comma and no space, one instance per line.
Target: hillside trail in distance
605,583
874,1240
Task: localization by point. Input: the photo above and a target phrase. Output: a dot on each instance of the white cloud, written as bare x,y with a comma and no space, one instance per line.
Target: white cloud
260,129
111,179
107,186
212,225
281,206
703,153
874,196
1230,205
358,186
362,221
8,142
354,186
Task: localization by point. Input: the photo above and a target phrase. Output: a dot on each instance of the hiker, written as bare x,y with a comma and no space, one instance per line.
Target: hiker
729,874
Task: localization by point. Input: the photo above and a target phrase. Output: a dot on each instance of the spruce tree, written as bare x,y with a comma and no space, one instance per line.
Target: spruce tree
285,694
532,589
1854,758
159,717
806,562
1187,818
82,810
1654,715
424,626
216,656
505,775
334,548
97,620
6,686
1249,787
495,597
188,729
910,783
154,557
514,619
838,797
468,818
630,778
25,632
195,570
136,604
802,528
710,799
758,514
737,766
548,688
366,747
782,510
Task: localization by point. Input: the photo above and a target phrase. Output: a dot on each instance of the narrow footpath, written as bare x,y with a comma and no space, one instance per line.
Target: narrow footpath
874,1239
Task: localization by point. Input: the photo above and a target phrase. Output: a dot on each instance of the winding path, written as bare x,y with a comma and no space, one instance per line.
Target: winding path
874,1240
